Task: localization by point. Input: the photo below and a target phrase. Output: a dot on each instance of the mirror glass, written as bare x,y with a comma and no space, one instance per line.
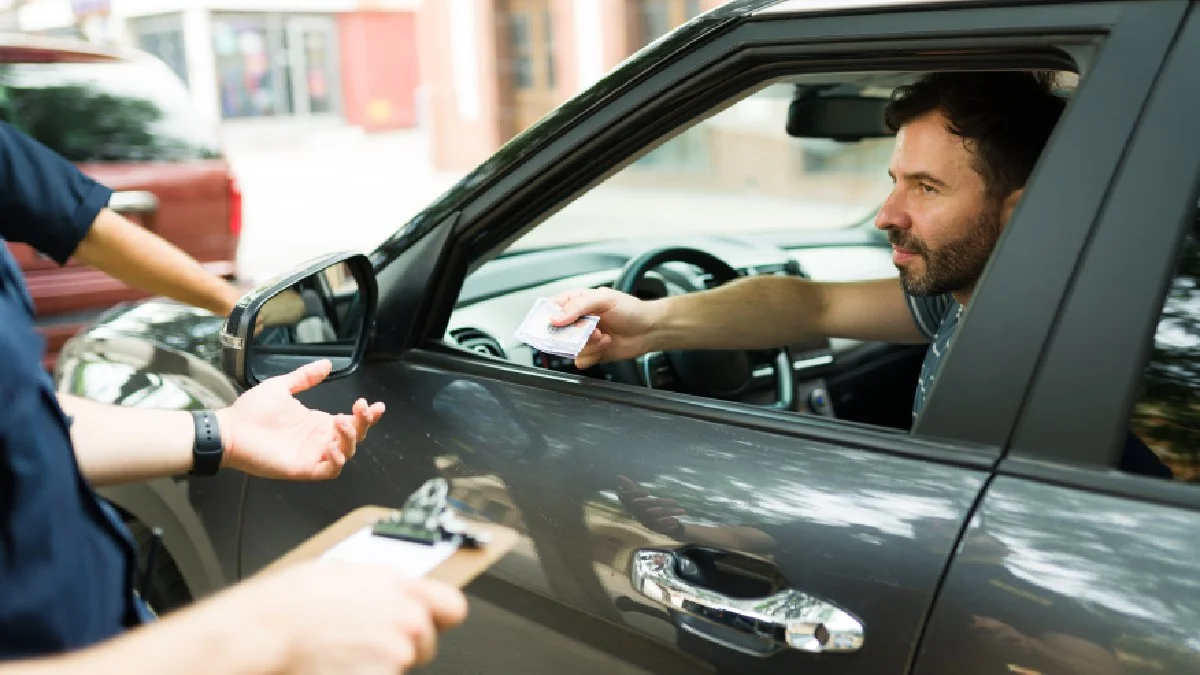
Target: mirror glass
319,317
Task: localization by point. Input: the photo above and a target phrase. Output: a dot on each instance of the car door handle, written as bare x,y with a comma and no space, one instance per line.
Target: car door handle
133,201
760,626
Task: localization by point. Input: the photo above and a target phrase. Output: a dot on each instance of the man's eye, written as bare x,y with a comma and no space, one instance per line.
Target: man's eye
927,189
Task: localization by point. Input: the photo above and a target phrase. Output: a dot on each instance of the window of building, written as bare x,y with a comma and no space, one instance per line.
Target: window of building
272,64
163,37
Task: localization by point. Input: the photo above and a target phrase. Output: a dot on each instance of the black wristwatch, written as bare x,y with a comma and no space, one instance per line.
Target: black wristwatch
207,449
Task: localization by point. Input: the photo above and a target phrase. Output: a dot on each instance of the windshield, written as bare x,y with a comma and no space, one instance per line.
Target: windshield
736,172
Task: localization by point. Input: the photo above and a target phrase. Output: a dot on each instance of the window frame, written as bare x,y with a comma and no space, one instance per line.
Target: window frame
1077,440
587,150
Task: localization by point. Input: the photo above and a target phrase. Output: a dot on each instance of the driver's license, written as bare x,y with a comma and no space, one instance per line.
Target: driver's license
537,332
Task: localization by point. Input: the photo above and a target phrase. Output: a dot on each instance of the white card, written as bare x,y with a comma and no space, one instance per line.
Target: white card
537,332
410,559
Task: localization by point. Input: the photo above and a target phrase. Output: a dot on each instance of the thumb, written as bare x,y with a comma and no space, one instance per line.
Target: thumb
577,307
307,376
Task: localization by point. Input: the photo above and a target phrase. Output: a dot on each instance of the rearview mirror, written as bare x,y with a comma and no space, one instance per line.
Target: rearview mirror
837,117
322,311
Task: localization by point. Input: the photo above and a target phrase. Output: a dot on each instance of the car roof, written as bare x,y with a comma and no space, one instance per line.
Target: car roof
27,48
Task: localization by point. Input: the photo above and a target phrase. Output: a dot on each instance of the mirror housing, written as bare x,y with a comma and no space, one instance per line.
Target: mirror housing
323,310
838,117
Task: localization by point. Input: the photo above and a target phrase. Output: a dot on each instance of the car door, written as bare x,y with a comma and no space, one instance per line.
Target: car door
803,516
1073,563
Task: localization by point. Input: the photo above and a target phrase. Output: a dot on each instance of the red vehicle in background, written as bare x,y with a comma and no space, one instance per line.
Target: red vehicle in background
124,118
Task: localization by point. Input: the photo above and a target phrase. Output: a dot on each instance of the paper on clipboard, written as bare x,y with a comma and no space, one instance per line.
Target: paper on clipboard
351,539
412,560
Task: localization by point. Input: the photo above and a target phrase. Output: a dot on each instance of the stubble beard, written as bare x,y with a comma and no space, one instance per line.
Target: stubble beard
953,267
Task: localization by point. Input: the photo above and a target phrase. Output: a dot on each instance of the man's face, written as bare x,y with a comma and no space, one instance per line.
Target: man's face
938,217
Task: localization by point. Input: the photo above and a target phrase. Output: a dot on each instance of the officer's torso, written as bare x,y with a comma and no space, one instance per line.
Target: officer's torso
66,563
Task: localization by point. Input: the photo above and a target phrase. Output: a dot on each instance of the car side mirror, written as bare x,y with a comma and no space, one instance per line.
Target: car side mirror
322,311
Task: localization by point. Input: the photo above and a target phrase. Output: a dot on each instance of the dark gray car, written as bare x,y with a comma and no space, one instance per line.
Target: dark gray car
824,535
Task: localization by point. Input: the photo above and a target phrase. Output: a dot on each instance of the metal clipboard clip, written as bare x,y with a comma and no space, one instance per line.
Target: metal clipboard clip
426,518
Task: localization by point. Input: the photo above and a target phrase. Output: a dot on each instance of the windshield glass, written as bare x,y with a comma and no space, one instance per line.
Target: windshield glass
736,172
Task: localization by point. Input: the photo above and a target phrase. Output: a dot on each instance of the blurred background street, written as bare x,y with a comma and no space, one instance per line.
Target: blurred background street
312,191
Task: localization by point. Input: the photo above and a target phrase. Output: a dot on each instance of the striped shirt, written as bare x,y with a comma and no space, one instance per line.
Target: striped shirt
937,317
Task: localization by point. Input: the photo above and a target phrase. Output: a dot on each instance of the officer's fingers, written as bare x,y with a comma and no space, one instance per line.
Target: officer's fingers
307,376
416,624
446,605
365,416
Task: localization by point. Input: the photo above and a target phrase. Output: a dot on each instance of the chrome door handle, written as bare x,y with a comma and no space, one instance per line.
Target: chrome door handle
133,201
786,619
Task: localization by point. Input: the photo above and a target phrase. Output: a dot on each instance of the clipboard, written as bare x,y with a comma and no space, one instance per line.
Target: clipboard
449,561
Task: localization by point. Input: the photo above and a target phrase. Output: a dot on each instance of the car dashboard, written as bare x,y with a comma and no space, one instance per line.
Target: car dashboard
497,296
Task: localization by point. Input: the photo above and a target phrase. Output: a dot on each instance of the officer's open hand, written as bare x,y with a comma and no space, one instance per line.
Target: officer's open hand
268,433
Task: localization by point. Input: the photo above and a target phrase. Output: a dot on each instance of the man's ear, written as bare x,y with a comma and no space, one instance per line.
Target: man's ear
1010,203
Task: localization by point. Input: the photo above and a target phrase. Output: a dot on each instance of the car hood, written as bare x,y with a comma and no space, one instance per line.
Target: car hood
165,324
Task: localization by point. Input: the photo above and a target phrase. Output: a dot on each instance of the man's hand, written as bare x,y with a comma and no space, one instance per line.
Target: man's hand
268,433
624,329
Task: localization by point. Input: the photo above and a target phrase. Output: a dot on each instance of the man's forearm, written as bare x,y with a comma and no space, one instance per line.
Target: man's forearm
148,262
755,313
767,312
116,445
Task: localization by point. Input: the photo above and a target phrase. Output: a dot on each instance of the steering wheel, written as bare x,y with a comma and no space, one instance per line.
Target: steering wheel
721,374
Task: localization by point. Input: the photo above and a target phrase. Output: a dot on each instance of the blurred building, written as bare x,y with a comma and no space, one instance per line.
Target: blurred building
493,67
351,60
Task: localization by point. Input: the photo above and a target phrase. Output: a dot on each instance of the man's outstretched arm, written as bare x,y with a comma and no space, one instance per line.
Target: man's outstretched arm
148,262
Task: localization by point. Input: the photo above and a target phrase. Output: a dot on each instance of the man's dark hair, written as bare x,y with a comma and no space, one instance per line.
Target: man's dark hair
1007,115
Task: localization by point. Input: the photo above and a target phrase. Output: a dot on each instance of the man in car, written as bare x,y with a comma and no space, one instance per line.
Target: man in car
66,560
966,144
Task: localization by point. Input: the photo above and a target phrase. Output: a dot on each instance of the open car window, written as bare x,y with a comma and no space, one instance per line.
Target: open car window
764,188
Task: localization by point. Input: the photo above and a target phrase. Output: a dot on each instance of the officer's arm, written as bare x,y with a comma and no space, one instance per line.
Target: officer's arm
215,636
52,206
116,445
146,261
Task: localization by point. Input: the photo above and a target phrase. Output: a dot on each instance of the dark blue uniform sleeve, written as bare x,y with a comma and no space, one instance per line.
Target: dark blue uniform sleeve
45,201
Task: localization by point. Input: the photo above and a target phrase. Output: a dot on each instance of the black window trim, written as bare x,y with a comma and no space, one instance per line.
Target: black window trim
532,167
1083,439
842,433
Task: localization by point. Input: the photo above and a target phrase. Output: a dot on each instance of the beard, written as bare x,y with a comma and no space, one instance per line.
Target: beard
951,267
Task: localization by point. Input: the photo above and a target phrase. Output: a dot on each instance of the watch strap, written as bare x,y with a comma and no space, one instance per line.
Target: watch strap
207,450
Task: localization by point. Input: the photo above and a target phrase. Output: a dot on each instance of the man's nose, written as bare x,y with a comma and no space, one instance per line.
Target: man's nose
892,214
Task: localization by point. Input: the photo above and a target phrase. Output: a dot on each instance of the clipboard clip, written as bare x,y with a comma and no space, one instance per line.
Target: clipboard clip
426,518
